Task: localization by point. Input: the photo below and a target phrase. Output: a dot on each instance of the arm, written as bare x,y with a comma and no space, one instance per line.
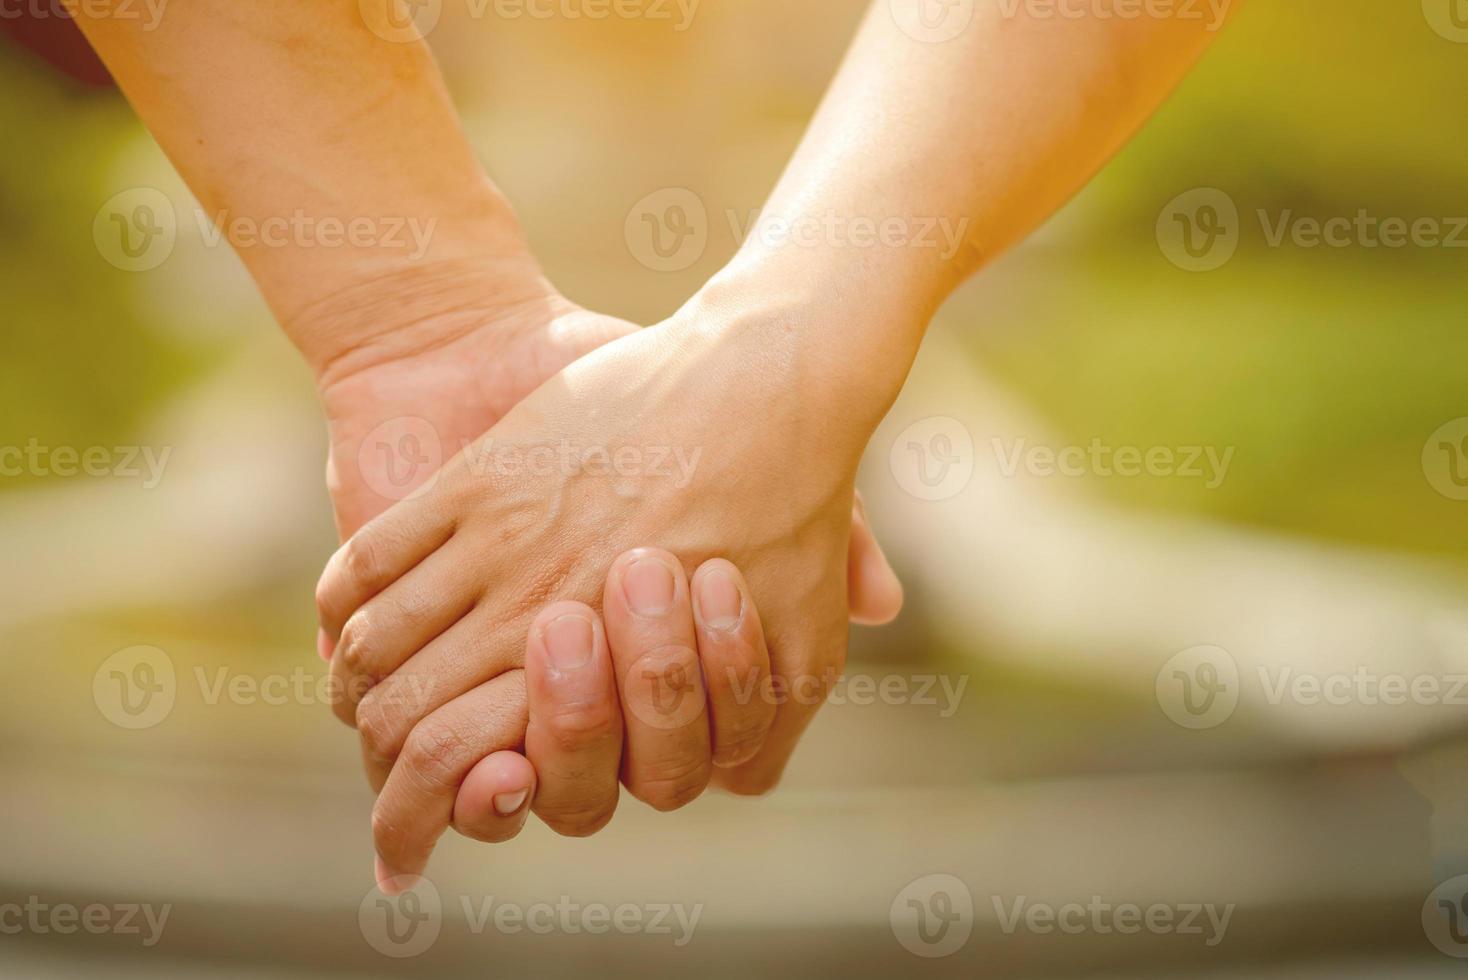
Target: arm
779,372
988,132
275,109
427,325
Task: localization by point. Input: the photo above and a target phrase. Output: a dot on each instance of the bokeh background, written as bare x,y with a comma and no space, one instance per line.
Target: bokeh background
1335,545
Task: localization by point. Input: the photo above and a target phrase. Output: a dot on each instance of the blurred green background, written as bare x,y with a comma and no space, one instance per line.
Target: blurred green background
1056,599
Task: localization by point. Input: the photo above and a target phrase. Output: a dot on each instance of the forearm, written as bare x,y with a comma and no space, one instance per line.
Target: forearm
299,116
957,149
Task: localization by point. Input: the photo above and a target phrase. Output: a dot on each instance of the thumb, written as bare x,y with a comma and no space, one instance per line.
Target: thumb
873,591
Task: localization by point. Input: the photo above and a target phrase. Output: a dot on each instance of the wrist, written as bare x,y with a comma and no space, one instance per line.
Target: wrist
378,313
352,282
848,343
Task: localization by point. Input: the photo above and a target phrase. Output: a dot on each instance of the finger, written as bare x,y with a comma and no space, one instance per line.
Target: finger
874,593
649,622
377,556
475,649
417,802
400,620
574,737
492,803
761,774
736,663
800,692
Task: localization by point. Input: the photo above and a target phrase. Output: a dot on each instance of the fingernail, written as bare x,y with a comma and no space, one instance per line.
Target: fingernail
506,804
568,642
388,883
648,585
719,600
324,646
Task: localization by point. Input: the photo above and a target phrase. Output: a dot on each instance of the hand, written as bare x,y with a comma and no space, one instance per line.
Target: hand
435,598
681,689
458,359
449,351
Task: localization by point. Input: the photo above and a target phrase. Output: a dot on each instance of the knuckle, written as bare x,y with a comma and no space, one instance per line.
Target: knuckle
673,786
358,640
577,728
741,740
361,562
436,754
378,728
409,608
553,577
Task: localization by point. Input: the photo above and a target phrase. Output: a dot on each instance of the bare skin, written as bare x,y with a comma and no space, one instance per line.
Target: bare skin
273,109
991,129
